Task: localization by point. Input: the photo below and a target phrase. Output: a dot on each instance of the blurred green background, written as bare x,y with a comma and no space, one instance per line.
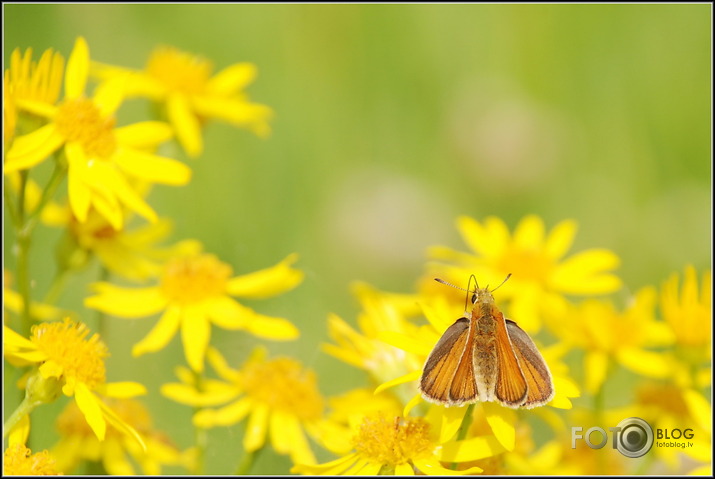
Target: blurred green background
392,120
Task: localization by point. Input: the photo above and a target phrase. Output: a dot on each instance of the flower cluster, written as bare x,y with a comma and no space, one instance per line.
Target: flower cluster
522,342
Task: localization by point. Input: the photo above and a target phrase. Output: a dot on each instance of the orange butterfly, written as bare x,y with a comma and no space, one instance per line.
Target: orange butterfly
484,357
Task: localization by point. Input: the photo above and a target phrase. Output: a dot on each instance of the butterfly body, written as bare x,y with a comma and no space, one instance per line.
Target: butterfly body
485,357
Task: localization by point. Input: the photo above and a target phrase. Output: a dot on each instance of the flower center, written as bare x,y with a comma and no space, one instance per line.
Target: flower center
179,71
284,384
65,343
20,461
393,442
191,279
80,120
528,265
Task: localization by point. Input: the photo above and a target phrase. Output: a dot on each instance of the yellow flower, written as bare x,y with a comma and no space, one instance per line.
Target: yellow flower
129,253
194,292
102,159
540,273
18,460
184,84
29,80
669,407
607,335
73,365
364,349
397,445
78,443
689,314
279,396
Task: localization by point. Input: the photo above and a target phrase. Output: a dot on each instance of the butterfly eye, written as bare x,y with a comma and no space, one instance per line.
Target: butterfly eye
474,298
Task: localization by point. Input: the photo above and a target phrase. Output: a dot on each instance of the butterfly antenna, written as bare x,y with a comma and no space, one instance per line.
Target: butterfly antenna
507,277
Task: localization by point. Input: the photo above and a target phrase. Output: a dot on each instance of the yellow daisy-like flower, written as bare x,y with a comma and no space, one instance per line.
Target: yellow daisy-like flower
667,407
27,80
184,84
689,314
540,273
279,396
606,335
102,159
194,292
18,460
129,253
363,349
401,446
70,363
78,443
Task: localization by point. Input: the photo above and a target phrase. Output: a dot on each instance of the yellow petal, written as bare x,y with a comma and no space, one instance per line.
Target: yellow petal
277,329
529,233
143,135
120,425
267,282
646,363
232,78
560,239
413,376
89,405
187,127
471,449
195,336
31,149
78,191
20,432
125,389
226,313
501,421
587,273
126,302
108,96
114,459
404,469
256,429
152,168
214,393
226,416
77,70
161,333
432,467
334,467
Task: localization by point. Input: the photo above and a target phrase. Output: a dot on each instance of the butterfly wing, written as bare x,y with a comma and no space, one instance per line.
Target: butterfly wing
448,375
511,387
536,372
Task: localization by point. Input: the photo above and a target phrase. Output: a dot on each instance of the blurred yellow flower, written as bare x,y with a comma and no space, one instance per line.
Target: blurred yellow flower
18,460
688,312
670,407
606,335
363,349
73,365
540,273
129,253
182,82
394,445
194,292
27,80
102,159
78,443
279,396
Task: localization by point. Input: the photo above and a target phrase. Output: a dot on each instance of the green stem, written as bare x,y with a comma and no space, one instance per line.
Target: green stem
101,316
464,428
25,408
23,258
10,203
247,462
200,434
